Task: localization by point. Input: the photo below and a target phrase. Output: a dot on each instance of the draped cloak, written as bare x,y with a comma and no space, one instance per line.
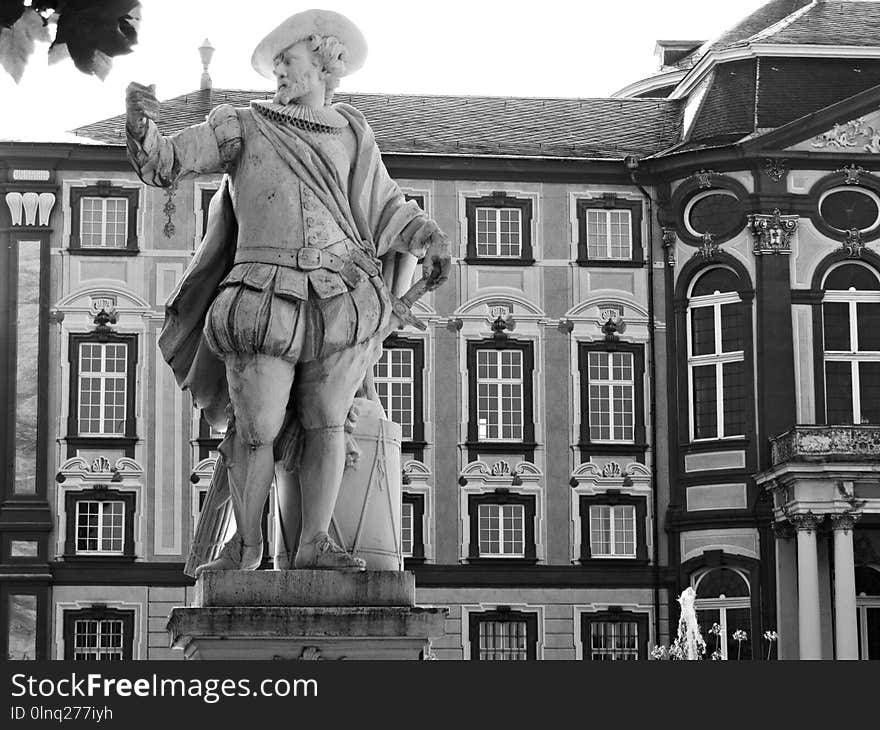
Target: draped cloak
373,213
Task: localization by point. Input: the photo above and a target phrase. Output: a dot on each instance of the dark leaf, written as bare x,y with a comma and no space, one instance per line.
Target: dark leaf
90,26
10,11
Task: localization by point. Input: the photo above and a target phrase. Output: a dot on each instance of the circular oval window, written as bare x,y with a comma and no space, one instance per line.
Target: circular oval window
847,208
718,212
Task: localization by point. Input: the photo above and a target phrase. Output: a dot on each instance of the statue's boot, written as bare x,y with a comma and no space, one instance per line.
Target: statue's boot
235,555
323,553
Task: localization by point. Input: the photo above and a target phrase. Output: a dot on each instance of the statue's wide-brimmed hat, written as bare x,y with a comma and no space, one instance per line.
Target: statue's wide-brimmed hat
302,25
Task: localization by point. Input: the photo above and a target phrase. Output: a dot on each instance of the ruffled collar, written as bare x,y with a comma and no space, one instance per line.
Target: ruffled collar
325,119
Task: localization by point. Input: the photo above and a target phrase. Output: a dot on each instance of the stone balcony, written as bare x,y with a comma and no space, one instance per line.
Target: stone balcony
826,444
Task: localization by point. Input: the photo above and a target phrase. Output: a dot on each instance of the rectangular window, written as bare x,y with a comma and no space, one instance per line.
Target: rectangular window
502,530
406,529
500,395
503,635
716,367
503,640
611,389
499,232
852,361
393,379
98,640
609,234
614,640
100,527
102,388
103,222
613,531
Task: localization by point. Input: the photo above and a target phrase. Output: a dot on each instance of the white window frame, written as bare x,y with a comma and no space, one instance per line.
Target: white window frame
718,359
407,524
103,223
854,356
497,211
102,515
615,416
722,604
499,515
523,650
615,652
863,604
406,428
615,553
482,416
606,214
98,650
102,375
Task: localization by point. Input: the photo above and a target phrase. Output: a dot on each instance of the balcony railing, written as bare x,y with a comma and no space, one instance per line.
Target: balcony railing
826,443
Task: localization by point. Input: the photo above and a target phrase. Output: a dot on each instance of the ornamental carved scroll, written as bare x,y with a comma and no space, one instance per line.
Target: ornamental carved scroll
772,233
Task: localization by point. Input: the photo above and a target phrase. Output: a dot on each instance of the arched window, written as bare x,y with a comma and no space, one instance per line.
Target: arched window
724,601
868,610
851,331
716,343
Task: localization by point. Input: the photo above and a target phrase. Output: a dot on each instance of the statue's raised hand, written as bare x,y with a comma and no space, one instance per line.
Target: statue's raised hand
141,104
437,260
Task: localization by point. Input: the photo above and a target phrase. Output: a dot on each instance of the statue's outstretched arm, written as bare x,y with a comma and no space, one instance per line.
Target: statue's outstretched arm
212,146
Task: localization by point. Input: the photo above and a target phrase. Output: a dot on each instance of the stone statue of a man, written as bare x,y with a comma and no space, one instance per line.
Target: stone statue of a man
281,318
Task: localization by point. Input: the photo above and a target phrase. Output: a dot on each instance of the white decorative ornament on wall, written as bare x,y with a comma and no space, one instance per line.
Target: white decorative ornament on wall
24,207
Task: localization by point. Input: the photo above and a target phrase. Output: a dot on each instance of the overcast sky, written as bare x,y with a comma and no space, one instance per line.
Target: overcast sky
542,48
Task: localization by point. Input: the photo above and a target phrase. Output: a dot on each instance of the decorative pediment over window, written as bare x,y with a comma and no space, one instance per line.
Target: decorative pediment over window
858,135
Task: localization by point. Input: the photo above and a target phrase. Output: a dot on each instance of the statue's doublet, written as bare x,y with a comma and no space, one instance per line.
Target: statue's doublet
280,309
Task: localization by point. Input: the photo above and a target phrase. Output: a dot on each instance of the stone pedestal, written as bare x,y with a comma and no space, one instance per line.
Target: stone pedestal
305,614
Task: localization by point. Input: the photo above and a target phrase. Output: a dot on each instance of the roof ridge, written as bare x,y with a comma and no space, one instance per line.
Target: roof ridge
779,25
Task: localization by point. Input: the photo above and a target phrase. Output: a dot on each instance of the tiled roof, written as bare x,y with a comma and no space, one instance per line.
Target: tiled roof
764,17
833,24
466,125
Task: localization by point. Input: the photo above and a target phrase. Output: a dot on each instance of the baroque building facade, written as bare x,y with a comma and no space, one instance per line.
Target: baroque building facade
655,364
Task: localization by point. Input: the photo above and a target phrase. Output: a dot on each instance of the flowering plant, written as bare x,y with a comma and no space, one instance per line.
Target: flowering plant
770,637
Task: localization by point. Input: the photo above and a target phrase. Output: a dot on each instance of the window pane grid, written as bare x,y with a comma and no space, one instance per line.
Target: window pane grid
716,367
852,358
499,395
613,531
501,530
611,399
499,232
102,389
103,222
100,526
503,640
614,640
393,377
97,639
406,529
609,234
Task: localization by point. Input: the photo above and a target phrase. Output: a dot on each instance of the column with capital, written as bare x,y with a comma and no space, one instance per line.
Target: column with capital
845,627
808,585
